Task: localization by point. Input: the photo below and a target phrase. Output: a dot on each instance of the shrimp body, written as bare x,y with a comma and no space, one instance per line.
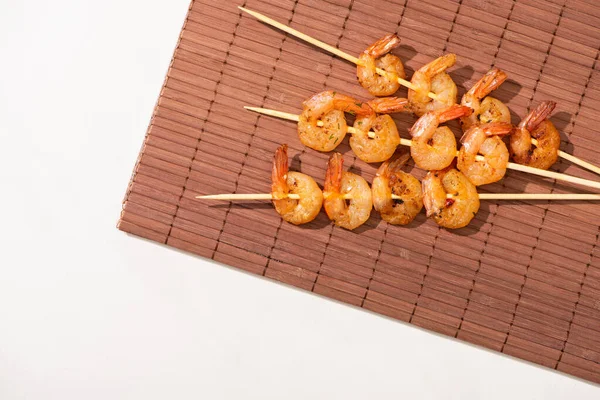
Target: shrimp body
536,125
391,180
493,110
432,78
455,212
284,182
485,109
386,140
434,147
382,146
329,107
348,200
484,140
376,56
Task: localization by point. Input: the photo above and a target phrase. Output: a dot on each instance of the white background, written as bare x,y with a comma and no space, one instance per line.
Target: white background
88,312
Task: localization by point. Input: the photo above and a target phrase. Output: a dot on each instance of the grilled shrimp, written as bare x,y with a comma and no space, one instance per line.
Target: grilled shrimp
328,107
376,56
457,211
391,180
485,140
485,109
348,200
434,147
284,182
536,125
432,78
383,145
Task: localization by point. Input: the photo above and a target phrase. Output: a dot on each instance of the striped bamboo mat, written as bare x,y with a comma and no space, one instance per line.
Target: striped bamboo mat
523,278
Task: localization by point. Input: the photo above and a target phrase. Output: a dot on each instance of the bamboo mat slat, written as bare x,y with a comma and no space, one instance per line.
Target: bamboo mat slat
523,279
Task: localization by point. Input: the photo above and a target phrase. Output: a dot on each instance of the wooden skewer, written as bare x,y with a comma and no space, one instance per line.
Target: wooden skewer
325,46
405,142
482,196
574,160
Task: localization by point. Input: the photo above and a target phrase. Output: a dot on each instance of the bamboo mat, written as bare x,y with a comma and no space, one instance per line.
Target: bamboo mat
522,279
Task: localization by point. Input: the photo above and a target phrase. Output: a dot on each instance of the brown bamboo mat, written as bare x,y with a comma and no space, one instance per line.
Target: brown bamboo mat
522,279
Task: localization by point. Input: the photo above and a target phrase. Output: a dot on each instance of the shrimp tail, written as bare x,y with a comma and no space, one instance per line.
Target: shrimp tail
333,176
389,105
497,128
383,45
439,65
452,112
539,114
279,173
389,167
350,105
490,82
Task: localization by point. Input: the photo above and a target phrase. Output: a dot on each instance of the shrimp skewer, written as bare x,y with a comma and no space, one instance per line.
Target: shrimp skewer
396,194
348,200
485,108
324,46
433,78
485,140
377,56
406,142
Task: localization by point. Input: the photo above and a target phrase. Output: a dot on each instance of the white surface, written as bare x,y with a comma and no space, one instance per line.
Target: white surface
87,312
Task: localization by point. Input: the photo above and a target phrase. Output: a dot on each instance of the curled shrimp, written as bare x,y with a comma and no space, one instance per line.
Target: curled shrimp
536,125
485,140
489,109
457,211
391,180
284,182
348,200
386,139
329,107
376,56
434,147
432,78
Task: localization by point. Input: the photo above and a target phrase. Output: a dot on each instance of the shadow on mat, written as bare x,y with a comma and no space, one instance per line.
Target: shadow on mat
460,76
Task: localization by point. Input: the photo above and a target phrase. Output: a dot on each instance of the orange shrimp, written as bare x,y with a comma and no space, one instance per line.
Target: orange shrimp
329,107
285,182
490,109
383,145
434,147
391,180
433,78
457,211
348,200
376,56
485,140
536,125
